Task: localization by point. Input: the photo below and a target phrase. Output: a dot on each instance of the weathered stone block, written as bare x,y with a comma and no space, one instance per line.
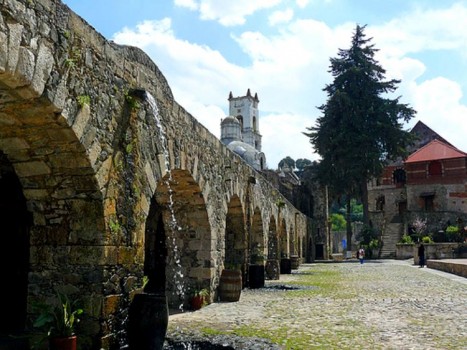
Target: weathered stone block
25,66
33,168
111,304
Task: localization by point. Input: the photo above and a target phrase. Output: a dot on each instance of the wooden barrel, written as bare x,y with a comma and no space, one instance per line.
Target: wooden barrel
294,262
230,285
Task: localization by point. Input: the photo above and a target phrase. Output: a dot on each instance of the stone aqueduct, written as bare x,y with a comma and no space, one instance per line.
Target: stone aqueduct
98,189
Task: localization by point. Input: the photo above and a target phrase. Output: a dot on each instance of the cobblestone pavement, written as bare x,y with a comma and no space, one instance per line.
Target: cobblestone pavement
385,304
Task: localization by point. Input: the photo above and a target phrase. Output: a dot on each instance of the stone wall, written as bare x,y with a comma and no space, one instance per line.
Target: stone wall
433,251
105,170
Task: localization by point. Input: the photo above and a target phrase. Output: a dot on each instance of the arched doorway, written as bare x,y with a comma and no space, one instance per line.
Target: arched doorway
284,251
187,230
257,236
155,250
14,249
235,237
273,261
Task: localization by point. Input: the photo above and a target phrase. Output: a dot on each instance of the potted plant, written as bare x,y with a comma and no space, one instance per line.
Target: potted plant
59,320
199,298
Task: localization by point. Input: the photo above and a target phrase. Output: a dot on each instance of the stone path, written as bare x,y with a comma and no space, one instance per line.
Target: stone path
384,304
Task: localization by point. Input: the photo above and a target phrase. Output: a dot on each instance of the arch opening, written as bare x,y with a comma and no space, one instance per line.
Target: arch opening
235,237
155,250
273,261
189,260
257,237
16,221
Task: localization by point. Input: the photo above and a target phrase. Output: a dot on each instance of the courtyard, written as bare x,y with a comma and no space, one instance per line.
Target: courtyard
382,304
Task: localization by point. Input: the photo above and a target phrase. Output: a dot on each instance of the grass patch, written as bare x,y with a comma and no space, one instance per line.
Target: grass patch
329,282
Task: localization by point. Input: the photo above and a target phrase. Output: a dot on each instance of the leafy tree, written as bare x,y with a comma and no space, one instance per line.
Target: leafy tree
287,161
301,163
361,127
338,222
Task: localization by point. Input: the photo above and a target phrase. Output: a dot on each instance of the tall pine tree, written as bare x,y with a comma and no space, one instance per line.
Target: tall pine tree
361,127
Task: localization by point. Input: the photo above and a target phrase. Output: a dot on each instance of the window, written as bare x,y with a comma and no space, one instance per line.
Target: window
240,119
435,168
399,176
380,203
428,199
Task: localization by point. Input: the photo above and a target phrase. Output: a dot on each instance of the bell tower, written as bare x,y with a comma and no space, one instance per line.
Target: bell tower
245,109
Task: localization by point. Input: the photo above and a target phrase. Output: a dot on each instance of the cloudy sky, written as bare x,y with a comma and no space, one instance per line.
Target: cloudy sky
280,49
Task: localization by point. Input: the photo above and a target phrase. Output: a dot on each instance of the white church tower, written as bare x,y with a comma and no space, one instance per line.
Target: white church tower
245,109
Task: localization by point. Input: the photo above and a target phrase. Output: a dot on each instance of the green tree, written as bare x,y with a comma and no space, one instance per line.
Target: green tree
287,161
301,163
338,222
361,127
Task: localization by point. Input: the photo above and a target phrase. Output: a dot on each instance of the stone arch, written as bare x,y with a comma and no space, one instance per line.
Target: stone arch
155,249
273,240
188,236
292,241
283,242
273,260
299,237
257,234
66,235
236,243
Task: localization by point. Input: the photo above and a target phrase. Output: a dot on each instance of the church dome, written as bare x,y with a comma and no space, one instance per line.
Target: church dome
230,130
230,120
249,154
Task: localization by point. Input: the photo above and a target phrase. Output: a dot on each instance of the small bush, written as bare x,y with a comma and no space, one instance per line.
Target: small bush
453,234
406,239
374,244
427,239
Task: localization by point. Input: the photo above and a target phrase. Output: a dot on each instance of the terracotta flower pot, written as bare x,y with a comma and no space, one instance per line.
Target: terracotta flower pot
197,302
66,343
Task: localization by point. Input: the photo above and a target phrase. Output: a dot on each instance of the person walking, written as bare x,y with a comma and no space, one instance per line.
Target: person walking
421,255
361,254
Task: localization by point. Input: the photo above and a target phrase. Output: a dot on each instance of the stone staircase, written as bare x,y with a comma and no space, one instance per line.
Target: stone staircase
390,237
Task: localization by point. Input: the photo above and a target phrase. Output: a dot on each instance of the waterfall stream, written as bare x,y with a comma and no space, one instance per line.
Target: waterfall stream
173,224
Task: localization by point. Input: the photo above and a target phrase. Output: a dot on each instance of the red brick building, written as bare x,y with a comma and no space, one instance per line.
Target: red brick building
430,184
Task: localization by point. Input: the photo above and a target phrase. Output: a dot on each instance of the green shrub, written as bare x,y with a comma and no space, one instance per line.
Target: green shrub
427,239
406,239
453,234
338,222
374,244
366,235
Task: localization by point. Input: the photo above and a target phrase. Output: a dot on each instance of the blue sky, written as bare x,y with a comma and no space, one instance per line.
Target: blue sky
280,49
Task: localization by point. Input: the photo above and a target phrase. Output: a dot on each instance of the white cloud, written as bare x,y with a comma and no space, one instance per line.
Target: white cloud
283,136
280,17
227,13
302,3
438,100
423,30
438,104
289,69
190,4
